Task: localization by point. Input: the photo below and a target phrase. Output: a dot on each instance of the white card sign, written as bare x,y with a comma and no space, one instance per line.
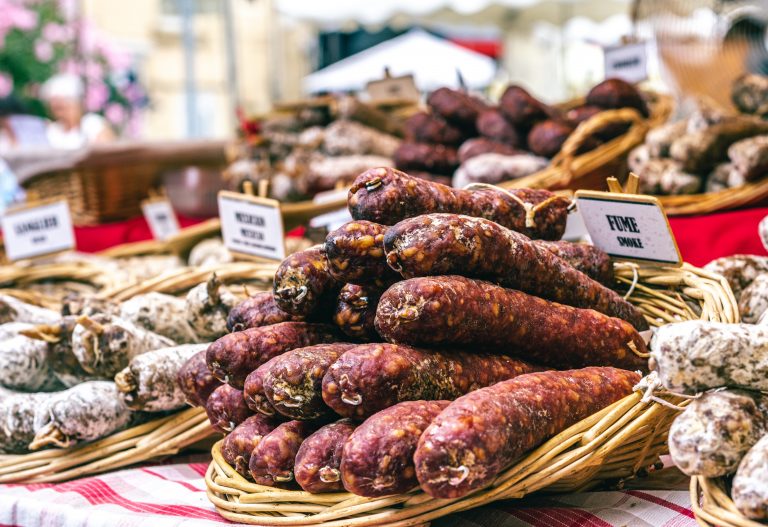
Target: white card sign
251,225
38,230
629,227
626,61
161,218
335,219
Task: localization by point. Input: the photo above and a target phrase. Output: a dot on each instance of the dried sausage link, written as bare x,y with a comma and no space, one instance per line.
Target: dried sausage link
356,311
273,459
258,310
226,408
458,311
196,380
480,434
318,460
302,282
583,257
355,253
240,442
386,195
438,244
372,377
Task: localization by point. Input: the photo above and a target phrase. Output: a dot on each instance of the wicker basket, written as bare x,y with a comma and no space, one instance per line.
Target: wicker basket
713,507
158,438
730,198
589,170
613,444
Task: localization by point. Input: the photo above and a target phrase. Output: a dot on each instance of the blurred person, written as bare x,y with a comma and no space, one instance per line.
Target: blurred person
71,126
19,129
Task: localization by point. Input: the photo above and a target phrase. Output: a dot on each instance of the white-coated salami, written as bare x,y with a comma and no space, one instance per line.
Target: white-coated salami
161,314
740,269
207,306
753,300
24,361
750,485
85,412
17,420
694,356
14,310
105,344
149,382
714,432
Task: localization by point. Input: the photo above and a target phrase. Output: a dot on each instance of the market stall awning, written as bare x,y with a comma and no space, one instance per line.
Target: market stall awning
433,61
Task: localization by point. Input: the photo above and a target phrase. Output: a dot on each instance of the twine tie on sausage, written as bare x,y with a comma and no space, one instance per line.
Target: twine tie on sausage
295,401
329,475
458,474
529,208
635,280
355,400
650,385
631,345
373,184
283,479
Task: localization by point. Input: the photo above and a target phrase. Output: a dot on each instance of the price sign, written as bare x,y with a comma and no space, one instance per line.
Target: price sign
38,229
629,227
626,61
252,226
160,217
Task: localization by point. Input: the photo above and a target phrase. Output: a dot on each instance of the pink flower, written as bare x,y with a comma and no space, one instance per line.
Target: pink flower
43,50
96,96
70,66
6,84
93,70
54,32
115,114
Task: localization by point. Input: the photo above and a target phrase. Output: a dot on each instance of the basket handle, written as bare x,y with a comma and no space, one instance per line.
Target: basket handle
590,126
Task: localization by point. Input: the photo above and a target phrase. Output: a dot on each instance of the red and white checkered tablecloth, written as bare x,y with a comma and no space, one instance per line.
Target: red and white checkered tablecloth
173,495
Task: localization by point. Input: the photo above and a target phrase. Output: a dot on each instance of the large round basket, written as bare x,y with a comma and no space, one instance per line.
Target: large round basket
155,439
612,444
570,170
713,506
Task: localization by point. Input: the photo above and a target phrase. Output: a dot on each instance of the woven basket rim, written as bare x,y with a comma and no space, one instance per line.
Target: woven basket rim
612,444
713,507
160,437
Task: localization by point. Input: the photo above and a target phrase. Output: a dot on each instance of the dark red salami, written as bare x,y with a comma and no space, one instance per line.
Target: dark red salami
356,311
387,196
226,408
493,125
273,458
424,157
458,311
258,310
319,458
439,244
583,257
232,357
371,377
196,380
238,445
253,389
482,145
378,457
293,381
355,253
302,282
456,107
480,434
424,127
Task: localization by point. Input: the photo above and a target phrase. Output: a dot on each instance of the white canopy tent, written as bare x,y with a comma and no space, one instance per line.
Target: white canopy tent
433,61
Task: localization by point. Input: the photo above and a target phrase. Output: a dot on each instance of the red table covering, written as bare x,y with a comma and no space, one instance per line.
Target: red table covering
700,238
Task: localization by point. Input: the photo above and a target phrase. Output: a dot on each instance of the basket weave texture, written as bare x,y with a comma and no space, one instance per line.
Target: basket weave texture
713,506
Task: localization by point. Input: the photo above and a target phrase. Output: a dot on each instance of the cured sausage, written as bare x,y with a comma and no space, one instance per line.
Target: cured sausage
753,300
423,157
273,458
377,459
583,257
196,380
207,306
85,412
14,310
739,270
386,195
456,107
258,310
481,145
105,344
149,382
253,389
371,377
481,433
750,484
226,408
240,442
17,420
24,362
714,432
356,311
302,282
696,355
161,314
293,381
438,244
318,460
355,253
458,311
232,357
424,127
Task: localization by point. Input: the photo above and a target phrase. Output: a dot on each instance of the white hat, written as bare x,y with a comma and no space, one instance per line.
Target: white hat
65,85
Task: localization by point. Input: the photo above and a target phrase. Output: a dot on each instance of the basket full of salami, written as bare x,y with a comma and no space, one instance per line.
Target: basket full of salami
721,438
440,351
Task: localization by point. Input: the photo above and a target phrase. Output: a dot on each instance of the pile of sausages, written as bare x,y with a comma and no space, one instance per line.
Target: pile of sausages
724,432
428,343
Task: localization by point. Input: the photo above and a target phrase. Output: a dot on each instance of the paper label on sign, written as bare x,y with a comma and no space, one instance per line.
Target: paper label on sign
161,218
626,61
575,230
331,220
251,225
38,230
629,227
